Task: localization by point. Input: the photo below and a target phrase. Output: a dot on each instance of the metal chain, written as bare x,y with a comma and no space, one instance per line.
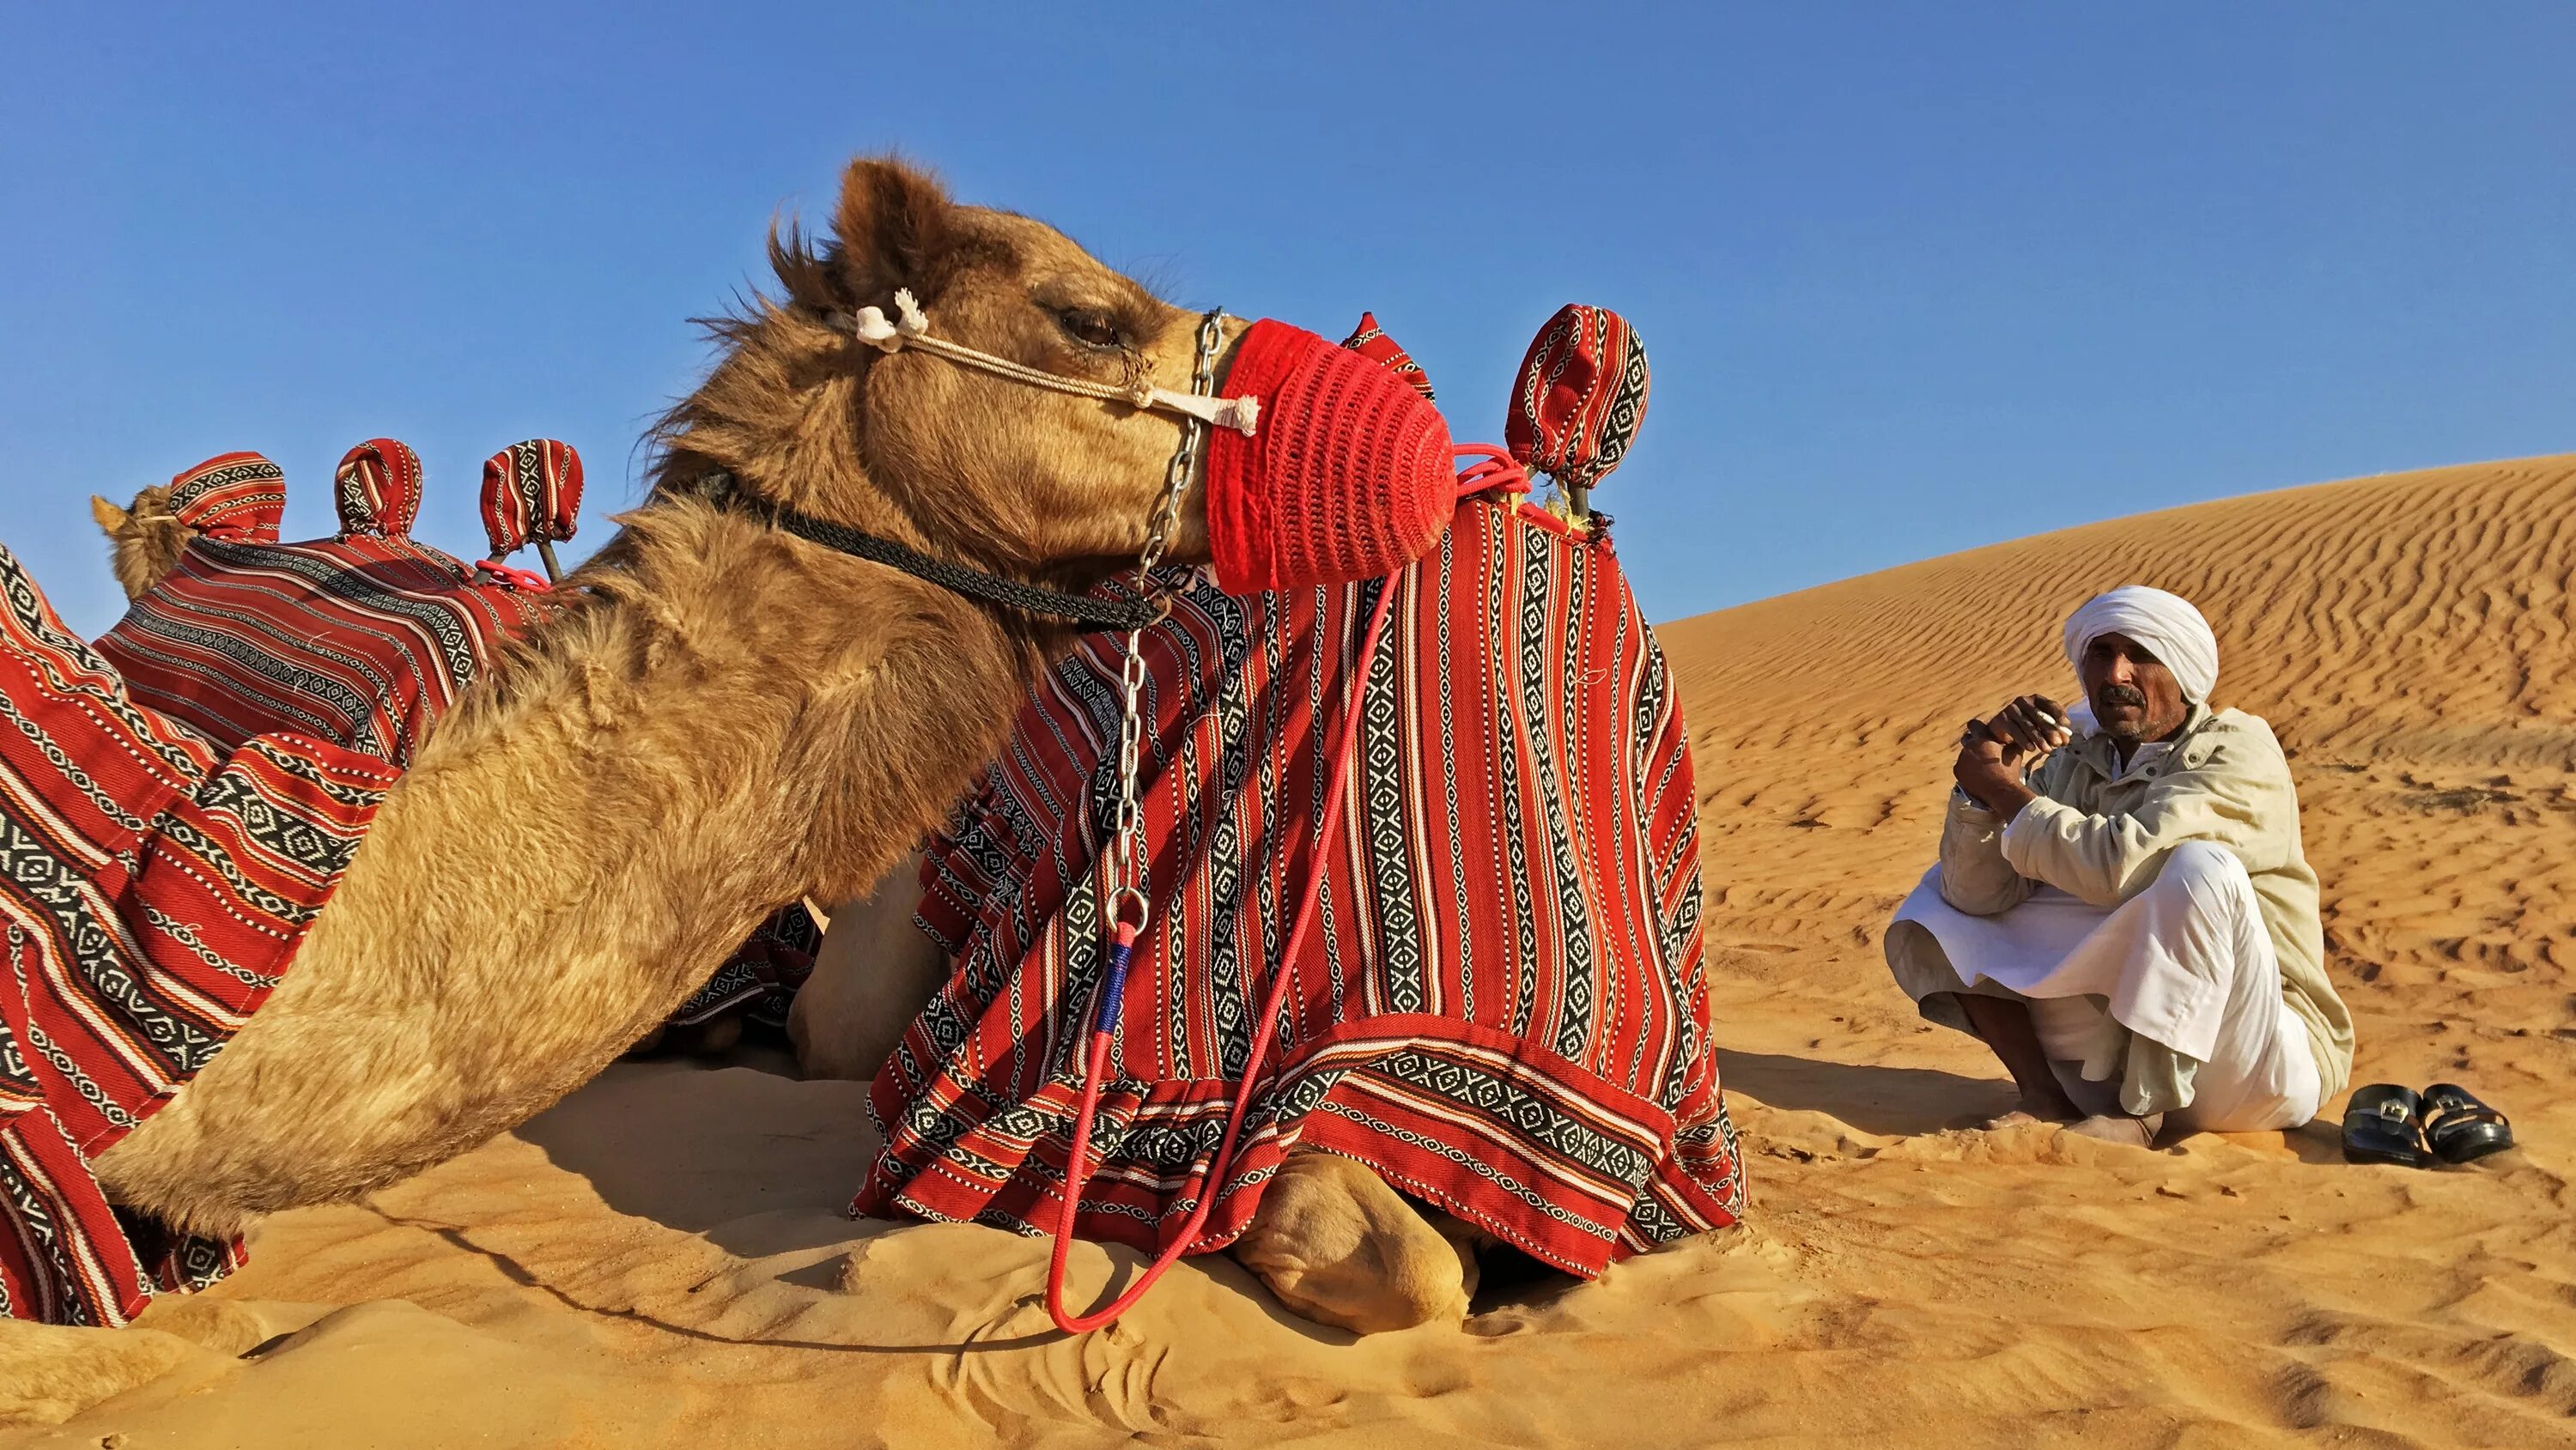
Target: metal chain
1127,878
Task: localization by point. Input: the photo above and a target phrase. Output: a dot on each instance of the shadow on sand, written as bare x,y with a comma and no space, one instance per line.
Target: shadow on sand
706,1149
761,1165
1890,1101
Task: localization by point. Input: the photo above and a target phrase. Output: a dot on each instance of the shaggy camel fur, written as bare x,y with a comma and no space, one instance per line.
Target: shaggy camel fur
144,541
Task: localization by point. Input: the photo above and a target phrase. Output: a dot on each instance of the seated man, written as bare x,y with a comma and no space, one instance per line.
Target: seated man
2122,910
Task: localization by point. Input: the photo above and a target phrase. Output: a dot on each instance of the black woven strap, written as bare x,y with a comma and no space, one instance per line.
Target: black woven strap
1090,616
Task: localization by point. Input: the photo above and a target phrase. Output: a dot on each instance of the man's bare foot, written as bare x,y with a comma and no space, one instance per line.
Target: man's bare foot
2121,1128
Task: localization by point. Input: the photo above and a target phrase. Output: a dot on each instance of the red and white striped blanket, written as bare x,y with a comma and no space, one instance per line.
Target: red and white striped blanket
361,640
153,885
1501,1009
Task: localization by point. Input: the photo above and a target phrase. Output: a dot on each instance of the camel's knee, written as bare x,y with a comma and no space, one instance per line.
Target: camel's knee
705,1039
1340,1247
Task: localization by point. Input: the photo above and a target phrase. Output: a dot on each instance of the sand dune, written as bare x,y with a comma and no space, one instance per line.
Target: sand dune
660,1260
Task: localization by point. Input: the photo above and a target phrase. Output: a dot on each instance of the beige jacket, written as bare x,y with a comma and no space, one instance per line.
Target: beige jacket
2096,836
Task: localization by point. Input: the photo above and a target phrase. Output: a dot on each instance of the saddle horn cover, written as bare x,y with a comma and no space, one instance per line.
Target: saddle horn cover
1580,396
237,496
1370,341
531,491
378,488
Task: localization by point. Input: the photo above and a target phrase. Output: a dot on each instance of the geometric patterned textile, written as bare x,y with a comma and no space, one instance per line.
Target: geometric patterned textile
531,491
1500,1006
236,496
362,640
1580,396
1370,341
152,888
377,488
762,975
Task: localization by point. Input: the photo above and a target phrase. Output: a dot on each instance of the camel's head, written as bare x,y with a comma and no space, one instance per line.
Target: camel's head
977,466
144,540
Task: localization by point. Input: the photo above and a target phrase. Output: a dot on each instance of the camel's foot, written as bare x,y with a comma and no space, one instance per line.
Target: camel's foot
228,1328
49,1373
1340,1247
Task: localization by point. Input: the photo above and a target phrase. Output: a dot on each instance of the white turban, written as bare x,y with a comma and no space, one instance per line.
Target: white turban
2166,624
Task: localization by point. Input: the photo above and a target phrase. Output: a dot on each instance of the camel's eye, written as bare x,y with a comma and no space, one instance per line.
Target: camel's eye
1090,326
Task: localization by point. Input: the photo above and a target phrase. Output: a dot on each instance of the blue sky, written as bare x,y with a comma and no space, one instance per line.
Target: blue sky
1913,277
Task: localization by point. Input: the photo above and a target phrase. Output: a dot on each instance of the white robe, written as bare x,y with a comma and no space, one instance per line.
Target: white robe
2185,964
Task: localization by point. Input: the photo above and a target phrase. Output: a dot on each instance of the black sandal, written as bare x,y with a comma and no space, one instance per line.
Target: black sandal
2383,1124
2461,1129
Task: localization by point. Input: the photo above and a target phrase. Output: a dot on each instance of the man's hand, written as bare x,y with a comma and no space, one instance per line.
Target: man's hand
1993,753
2028,728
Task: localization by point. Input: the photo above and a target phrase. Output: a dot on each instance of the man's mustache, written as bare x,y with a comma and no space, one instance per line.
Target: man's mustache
2129,695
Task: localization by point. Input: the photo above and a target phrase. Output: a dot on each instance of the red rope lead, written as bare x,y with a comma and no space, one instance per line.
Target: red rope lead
1498,471
1211,1187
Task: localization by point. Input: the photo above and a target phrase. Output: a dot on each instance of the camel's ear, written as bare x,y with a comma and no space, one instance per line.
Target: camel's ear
109,516
892,221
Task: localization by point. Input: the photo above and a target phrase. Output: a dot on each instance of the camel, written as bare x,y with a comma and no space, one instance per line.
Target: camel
724,718
1330,1237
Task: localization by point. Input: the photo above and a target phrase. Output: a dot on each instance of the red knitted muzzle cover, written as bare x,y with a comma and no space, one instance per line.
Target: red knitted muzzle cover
1348,476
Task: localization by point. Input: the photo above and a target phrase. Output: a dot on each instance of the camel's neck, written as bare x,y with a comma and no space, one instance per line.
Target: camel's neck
730,719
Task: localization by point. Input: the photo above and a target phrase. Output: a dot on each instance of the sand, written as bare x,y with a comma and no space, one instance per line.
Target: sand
660,1260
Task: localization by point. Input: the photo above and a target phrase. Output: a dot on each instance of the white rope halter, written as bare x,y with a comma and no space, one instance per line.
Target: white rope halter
912,329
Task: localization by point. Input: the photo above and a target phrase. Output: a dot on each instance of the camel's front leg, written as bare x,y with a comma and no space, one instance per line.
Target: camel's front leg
1340,1247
